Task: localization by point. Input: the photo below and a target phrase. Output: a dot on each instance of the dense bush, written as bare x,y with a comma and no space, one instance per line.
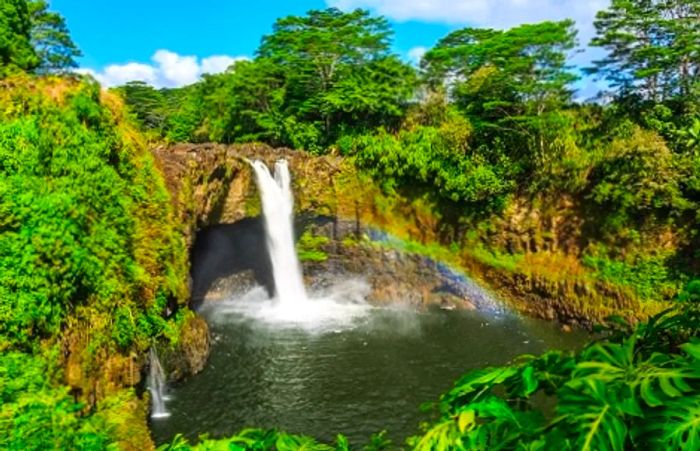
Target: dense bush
85,217
636,179
87,239
436,158
35,414
614,395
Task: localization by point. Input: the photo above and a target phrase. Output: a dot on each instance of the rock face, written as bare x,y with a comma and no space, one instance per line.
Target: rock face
93,384
538,226
199,178
228,260
393,275
575,301
191,353
213,186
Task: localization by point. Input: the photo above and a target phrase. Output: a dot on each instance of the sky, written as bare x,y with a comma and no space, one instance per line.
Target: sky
172,43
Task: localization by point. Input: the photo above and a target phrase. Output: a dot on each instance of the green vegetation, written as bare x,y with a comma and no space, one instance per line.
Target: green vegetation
93,268
652,49
488,121
648,276
89,247
637,389
32,38
431,156
51,40
256,439
35,413
81,202
310,247
16,51
314,79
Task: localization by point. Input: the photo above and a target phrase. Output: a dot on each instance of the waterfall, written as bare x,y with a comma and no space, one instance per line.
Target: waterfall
338,306
278,209
156,385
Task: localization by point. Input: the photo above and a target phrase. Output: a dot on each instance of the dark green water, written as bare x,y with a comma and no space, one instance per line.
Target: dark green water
357,380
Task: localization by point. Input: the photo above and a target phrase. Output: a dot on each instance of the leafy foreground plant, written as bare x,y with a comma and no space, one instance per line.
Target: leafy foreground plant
639,391
632,390
258,439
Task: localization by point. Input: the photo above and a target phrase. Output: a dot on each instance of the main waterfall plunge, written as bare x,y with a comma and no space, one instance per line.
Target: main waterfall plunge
278,212
290,304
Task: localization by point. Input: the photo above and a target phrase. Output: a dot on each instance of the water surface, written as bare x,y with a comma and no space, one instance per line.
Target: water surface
356,379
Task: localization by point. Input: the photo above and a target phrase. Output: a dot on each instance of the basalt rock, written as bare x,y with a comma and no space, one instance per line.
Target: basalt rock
190,354
570,301
394,276
213,185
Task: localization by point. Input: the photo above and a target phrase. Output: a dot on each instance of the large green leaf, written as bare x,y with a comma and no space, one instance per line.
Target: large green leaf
592,416
474,384
676,426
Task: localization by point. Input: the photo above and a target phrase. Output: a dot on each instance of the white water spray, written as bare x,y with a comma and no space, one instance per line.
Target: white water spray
278,209
156,385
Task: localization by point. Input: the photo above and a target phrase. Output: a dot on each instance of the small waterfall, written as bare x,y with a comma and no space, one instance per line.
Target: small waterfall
156,385
278,208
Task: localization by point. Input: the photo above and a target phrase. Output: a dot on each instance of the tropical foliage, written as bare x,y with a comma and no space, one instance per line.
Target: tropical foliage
490,117
87,236
630,391
32,38
313,79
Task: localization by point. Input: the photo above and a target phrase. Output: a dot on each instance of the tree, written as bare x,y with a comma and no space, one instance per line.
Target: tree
16,52
319,44
185,112
324,56
497,70
374,93
315,78
51,39
653,47
244,104
145,102
511,84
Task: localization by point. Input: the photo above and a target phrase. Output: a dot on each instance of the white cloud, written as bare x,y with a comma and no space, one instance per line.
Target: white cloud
168,69
119,74
176,70
416,54
488,13
218,63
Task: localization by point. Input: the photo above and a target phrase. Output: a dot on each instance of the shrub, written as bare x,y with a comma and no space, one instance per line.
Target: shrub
85,217
435,158
35,415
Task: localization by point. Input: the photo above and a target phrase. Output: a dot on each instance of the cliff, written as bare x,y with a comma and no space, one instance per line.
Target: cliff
212,184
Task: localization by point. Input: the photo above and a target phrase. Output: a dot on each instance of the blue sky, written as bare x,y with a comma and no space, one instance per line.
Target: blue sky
171,43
